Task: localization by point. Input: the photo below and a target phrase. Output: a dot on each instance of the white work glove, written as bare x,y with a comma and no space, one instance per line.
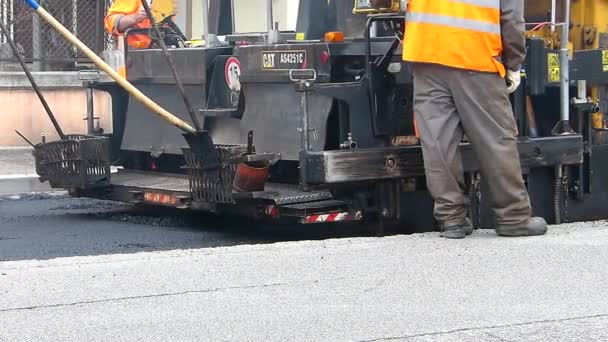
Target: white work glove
513,80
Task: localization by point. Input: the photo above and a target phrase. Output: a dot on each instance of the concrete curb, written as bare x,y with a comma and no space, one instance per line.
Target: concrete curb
17,148
19,184
28,183
17,172
45,79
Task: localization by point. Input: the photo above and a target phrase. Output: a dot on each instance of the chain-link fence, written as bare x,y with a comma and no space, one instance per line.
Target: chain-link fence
42,45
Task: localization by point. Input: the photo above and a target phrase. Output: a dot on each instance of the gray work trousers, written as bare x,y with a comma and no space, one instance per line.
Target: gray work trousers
449,101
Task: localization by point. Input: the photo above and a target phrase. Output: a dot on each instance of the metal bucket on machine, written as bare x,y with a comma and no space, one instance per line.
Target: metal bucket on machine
251,176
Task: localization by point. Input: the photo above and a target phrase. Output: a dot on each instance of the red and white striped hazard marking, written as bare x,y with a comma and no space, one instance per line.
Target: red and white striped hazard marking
334,217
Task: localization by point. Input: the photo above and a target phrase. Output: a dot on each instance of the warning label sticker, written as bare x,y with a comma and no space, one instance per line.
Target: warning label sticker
605,60
553,67
232,72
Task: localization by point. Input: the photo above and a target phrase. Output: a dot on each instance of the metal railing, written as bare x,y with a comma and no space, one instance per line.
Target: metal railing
41,45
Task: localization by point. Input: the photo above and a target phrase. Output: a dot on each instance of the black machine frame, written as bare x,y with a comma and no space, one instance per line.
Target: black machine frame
332,136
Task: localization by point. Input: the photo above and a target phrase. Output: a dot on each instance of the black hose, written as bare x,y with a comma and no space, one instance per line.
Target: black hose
557,197
473,204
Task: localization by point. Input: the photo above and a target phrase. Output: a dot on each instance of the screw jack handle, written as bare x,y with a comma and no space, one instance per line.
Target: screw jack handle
302,75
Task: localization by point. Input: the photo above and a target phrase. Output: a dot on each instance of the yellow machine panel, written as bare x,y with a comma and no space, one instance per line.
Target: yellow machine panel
588,22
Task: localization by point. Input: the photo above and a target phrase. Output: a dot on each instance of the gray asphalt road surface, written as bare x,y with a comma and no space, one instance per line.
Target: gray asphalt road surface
82,270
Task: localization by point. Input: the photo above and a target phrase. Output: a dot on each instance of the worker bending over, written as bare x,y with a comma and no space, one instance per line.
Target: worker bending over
461,52
128,14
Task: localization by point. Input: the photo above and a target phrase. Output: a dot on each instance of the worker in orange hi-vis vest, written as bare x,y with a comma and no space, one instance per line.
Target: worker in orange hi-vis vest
461,51
127,14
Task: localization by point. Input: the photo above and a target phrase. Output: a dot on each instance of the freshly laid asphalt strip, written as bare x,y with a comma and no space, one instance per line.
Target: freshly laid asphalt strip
87,270
53,225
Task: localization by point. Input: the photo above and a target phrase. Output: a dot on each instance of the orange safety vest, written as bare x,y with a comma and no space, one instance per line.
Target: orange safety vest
126,7
463,34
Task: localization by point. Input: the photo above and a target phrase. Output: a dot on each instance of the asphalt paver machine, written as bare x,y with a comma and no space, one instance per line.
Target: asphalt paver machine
316,124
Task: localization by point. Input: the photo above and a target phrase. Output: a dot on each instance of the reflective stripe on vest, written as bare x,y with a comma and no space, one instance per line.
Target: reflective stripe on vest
463,34
462,23
482,3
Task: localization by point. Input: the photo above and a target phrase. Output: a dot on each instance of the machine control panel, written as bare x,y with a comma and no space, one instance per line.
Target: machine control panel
378,6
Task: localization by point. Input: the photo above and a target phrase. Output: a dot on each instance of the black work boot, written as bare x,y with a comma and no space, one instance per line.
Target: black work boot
457,231
532,227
